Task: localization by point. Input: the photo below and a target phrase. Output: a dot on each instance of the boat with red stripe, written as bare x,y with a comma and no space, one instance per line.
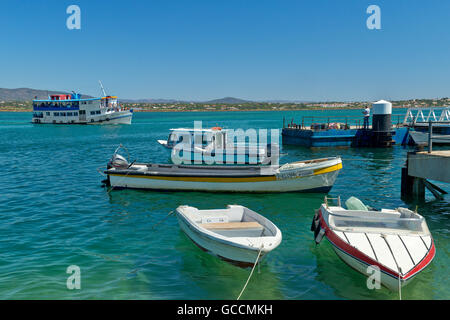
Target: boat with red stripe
396,242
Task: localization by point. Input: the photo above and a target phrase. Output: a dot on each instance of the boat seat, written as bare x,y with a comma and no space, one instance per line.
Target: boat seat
233,225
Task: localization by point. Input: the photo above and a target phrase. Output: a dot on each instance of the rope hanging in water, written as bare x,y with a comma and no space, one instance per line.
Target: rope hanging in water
112,187
251,273
399,283
159,222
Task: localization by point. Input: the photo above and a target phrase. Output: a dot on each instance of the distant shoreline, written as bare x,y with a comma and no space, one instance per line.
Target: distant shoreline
200,110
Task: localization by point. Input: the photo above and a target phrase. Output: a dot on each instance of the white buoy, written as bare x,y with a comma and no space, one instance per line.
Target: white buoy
382,123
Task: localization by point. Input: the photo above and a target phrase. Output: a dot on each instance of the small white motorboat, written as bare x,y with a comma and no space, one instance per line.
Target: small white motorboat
398,241
212,146
236,234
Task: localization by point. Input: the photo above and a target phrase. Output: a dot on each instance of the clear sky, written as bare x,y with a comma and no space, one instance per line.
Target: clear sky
250,49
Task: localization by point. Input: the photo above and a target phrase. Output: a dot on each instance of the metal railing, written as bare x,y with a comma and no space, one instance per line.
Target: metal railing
424,115
327,122
431,136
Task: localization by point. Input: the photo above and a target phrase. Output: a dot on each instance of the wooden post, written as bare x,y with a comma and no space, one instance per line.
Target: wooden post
411,187
430,136
418,188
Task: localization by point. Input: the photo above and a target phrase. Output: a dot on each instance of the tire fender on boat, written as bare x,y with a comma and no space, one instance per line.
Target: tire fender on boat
315,221
320,235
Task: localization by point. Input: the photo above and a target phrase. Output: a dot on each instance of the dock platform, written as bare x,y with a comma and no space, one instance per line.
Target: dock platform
433,165
421,167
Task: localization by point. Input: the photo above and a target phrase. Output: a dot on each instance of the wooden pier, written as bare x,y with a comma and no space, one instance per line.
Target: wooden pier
421,167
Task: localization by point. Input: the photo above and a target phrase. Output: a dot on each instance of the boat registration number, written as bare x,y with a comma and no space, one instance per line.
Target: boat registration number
214,219
295,174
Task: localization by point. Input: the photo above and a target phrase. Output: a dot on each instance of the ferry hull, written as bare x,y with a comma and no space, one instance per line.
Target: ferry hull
121,117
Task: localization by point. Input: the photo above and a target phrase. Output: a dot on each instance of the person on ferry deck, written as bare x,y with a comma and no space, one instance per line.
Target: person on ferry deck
366,114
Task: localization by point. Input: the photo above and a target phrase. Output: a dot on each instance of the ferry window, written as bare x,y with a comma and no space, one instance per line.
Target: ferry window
69,114
63,114
56,114
47,113
75,113
97,112
76,103
92,112
82,111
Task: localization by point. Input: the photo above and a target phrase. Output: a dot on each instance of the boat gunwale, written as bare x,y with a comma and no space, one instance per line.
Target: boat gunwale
167,170
225,240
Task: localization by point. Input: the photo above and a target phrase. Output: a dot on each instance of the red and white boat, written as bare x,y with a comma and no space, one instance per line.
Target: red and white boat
398,241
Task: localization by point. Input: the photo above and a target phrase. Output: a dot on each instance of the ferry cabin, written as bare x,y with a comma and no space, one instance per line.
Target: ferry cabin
71,109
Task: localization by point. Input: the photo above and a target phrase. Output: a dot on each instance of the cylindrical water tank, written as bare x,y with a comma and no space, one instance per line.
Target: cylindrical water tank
381,121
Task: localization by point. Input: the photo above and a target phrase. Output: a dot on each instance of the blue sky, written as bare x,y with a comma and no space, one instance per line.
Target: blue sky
251,49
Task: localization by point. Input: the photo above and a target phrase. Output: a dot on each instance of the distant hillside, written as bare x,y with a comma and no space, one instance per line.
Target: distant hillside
27,94
149,101
227,100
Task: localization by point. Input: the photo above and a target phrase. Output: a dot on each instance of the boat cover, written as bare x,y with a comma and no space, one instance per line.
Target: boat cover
354,203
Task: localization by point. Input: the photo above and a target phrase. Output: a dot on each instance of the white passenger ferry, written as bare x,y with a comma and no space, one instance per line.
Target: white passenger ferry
72,109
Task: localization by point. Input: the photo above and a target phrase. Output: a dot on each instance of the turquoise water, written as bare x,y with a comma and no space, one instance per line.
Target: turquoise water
54,213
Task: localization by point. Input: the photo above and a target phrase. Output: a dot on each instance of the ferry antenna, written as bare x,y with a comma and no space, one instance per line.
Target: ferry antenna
101,86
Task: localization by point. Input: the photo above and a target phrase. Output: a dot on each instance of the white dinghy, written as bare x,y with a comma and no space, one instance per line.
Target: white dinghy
236,234
398,241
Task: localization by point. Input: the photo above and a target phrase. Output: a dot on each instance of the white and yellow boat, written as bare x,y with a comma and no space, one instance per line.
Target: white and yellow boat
316,175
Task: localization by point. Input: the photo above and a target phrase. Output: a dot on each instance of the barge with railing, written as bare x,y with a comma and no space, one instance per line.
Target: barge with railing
321,131
346,131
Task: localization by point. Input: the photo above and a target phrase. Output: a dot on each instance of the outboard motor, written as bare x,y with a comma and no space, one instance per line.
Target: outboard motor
117,161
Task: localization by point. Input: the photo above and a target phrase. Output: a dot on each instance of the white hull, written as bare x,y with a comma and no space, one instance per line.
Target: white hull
386,280
240,246
314,183
225,251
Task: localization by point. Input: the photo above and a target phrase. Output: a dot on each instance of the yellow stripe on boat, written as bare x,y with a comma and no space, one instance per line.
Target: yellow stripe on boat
225,179
200,179
328,169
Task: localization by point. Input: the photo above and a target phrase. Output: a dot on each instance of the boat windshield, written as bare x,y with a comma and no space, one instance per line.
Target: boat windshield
377,222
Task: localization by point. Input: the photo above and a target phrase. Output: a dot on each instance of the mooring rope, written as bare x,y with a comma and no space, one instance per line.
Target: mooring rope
251,273
99,170
162,220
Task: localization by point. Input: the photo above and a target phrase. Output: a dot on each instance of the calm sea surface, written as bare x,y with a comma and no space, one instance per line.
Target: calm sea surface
54,213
